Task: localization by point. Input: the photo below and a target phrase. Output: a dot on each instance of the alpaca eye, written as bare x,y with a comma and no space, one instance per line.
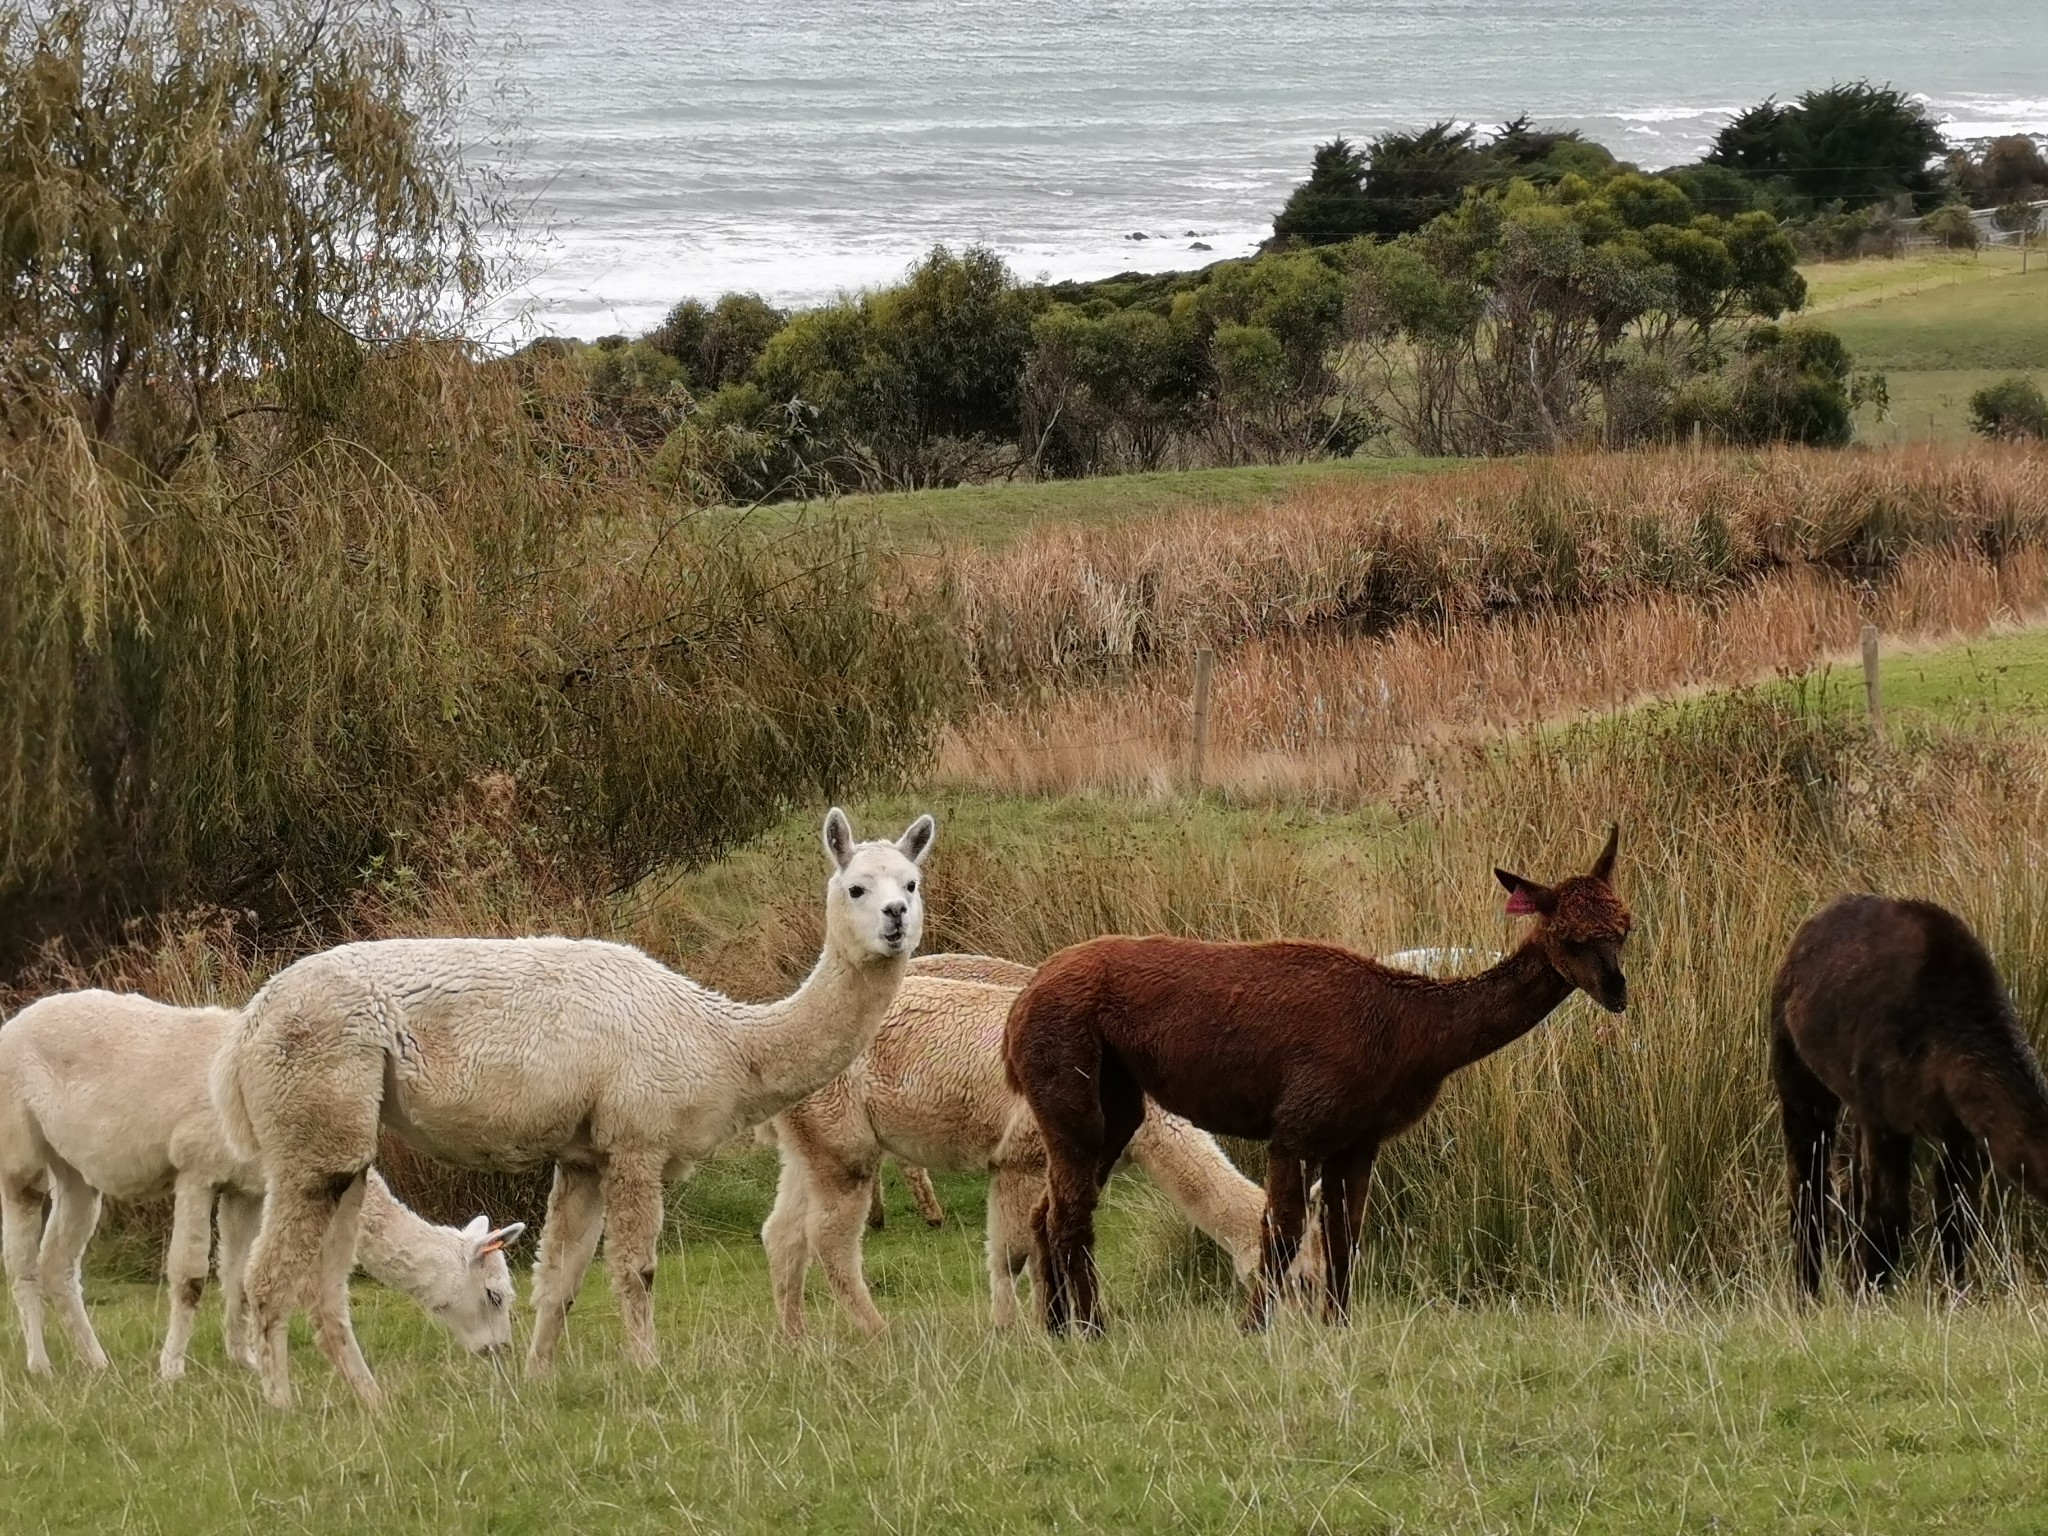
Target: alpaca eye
494,1298
856,891
912,887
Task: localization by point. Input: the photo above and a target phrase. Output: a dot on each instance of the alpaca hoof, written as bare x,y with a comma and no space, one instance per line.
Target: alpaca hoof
935,1222
170,1370
278,1395
40,1368
97,1360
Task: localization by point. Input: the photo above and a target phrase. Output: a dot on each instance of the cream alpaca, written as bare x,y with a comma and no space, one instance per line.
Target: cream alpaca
106,1094
930,1090
519,1053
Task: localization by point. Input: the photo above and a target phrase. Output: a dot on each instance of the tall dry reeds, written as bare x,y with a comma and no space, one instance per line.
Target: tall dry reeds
1366,556
1338,718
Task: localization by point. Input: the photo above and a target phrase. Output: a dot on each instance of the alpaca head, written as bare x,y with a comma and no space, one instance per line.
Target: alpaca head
1581,925
874,902
471,1291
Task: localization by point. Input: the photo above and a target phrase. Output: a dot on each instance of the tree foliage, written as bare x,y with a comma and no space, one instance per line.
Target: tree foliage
1854,144
227,199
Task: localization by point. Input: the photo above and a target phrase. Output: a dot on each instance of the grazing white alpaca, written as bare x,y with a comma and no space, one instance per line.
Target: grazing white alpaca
104,1093
515,1054
930,1090
961,967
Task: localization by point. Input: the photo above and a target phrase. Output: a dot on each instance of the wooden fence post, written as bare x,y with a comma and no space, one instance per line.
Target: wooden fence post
1205,666
1873,700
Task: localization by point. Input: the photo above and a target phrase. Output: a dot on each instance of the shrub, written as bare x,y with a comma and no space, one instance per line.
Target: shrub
1952,225
2012,408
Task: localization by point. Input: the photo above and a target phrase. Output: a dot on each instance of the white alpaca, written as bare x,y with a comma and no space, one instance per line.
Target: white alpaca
930,1091
103,1093
515,1054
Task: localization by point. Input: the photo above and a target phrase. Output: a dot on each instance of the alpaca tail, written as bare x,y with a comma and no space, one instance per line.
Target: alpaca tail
224,1082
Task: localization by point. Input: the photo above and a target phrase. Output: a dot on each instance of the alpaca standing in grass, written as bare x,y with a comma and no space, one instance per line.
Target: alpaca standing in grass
1895,1009
1005,973
1322,1053
931,1087
103,1093
514,1054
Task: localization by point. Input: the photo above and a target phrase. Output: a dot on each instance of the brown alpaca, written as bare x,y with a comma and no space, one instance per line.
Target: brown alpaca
1322,1053
1895,1009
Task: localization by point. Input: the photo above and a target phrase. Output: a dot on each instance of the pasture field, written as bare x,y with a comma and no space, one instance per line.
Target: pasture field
1604,1415
995,515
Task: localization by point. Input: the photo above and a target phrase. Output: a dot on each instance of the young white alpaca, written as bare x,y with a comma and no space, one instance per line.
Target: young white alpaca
930,1089
515,1054
961,967
103,1093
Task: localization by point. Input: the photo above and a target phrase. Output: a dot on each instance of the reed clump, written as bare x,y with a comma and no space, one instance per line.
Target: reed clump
1067,605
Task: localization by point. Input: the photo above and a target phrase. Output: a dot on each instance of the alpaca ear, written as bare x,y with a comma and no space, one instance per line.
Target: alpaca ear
1603,866
917,842
838,837
479,1227
500,1240
1525,897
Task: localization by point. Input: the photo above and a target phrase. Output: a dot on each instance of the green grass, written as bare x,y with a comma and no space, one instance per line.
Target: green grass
1999,324
2004,675
1431,1418
1832,285
1932,405
997,514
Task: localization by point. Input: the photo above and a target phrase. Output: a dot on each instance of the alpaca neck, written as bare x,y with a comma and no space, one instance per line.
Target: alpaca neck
395,1245
794,1046
1482,1013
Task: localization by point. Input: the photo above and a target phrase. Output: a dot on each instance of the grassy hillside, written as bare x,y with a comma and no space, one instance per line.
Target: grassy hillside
999,514
1939,327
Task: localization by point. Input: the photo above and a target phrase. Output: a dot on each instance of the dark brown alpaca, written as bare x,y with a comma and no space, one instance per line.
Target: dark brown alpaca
1322,1053
1895,1009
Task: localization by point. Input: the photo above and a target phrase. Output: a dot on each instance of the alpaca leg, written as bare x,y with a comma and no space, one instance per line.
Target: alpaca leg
631,1182
1885,1162
1808,1112
568,1242
1280,1234
185,1267
922,1195
1012,1192
237,1218
21,1235
332,1328
1064,1224
1345,1181
834,1225
784,1235
282,1264
1958,1186
878,1215
74,1213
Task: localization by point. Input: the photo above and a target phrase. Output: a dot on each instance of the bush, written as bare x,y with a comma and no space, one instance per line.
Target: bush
1792,384
2011,408
268,680
1952,225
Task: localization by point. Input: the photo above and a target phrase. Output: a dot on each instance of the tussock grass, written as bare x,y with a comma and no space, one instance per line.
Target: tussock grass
1065,606
1350,719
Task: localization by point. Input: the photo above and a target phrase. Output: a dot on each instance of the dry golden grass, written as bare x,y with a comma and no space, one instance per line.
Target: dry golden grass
1067,605
1348,719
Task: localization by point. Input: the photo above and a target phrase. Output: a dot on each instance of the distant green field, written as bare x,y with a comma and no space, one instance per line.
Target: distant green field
2004,675
1832,285
1990,324
996,514
1932,405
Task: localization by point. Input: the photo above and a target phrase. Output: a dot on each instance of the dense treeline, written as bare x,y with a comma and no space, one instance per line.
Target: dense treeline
1438,291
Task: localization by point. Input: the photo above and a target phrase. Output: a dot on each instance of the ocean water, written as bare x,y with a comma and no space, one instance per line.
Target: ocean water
669,148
